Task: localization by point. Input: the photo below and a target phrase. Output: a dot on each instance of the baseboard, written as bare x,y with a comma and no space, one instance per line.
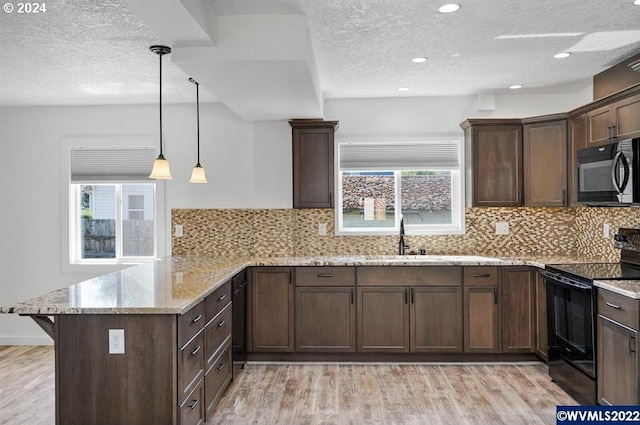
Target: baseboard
25,340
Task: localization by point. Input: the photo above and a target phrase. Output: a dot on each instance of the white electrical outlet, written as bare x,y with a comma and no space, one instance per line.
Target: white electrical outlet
116,341
606,230
502,228
322,229
179,277
177,231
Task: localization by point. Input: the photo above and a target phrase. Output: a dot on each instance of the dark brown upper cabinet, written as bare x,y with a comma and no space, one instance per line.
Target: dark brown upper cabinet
313,180
493,162
545,161
577,140
618,120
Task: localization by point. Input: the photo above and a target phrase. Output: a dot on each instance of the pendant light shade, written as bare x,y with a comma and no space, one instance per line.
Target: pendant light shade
160,165
198,175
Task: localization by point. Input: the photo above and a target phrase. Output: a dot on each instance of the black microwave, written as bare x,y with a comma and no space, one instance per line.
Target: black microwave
609,175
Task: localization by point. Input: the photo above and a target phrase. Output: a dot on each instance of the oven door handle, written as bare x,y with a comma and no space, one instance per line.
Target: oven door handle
556,279
617,185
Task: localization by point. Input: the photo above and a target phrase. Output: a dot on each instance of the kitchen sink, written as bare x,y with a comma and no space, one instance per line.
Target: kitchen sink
435,258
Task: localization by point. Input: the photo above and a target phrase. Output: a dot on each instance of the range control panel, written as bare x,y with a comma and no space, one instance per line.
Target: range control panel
628,239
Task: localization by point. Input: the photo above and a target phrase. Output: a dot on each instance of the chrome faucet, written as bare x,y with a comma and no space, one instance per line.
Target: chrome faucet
402,247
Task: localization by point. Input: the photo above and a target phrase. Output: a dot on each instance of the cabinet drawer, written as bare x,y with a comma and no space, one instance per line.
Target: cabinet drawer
325,276
619,308
217,300
192,410
217,379
217,332
410,276
480,276
190,323
190,366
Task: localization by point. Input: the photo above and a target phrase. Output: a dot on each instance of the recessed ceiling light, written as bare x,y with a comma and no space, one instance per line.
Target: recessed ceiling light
419,60
515,86
403,89
637,2
448,8
563,54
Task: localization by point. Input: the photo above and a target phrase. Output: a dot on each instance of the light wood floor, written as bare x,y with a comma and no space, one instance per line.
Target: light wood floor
315,394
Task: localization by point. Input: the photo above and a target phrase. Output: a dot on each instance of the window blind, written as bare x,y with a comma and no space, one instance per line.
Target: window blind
399,156
111,164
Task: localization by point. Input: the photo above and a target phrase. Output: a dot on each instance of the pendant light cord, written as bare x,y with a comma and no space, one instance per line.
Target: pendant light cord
161,106
198,119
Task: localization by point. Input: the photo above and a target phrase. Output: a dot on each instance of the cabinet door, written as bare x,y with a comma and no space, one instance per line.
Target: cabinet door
577,140
545,164
517,294
383,319
272,309
481,320
313,167
497,166
542,339
436,319
599,126
627,117
617,363
325,319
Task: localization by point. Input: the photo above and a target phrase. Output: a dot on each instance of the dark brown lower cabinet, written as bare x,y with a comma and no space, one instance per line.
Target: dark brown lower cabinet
481,320
542,338
217,379
617,363
192,410
271,293
517,296
326,319
383,319
404,319
436,319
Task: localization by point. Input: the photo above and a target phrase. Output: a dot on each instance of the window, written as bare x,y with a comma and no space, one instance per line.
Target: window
112,205
380,183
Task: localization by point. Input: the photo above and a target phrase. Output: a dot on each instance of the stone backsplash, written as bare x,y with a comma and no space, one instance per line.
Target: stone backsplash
286,232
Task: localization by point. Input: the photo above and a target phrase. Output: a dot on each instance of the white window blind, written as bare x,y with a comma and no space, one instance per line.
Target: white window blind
433,155
111,164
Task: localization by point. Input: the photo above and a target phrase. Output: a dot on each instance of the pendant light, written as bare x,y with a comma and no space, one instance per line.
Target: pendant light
160,165
198,176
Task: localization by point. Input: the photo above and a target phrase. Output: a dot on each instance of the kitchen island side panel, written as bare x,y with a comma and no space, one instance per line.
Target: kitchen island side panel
134,388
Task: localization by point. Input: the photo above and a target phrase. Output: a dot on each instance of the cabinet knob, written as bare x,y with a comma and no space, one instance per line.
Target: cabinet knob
221,366
222,297
222,323
196,351
197,318
194,404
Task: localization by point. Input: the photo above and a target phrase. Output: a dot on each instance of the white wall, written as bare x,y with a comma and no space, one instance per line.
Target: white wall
248,166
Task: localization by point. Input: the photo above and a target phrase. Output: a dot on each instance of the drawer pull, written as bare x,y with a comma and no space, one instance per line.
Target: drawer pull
194,352
197,318
221,366
222,297
632,343
195,403
221,324
617,307
482,275
324,275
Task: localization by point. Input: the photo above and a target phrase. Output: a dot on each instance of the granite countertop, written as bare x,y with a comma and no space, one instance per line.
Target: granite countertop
628,288
175,284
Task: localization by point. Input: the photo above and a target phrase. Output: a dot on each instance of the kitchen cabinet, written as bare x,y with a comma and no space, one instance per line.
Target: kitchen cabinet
313,179
618,372
272,300
542,339
545,163
494,162
619,120
517,303
325,309
481,310
577,140
239,328
218,345
409,309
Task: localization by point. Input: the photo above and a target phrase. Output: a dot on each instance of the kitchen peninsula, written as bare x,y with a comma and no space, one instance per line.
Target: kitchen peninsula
176,317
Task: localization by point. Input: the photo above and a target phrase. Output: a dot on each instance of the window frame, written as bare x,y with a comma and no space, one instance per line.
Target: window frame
92,267
457,193
76,223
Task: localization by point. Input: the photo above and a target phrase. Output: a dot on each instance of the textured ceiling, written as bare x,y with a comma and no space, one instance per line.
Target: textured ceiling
96,51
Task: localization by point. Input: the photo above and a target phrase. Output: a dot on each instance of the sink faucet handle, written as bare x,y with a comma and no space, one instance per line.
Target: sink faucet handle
423,251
